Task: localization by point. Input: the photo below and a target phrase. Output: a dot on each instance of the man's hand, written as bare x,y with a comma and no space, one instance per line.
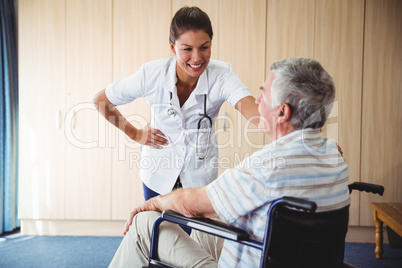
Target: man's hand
147,206
190,202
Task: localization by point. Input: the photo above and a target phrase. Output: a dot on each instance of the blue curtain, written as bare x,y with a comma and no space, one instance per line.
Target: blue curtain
8,118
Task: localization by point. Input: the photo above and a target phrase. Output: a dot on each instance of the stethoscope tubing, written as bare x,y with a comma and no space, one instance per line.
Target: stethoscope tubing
172,113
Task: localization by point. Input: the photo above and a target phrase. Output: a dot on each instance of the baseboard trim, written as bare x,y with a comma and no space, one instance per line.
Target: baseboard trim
358,234
364,234
72,227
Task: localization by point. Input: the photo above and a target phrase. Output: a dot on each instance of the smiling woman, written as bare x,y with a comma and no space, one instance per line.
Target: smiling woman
183,90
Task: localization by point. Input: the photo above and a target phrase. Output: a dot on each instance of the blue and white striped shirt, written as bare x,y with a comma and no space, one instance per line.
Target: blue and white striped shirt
301,164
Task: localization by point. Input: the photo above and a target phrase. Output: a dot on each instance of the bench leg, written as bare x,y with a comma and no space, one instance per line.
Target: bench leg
378,236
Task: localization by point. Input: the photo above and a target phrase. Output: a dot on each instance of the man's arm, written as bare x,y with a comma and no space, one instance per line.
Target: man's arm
191,202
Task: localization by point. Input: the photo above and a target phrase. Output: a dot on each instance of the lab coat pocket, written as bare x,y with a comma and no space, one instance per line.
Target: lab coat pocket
203,142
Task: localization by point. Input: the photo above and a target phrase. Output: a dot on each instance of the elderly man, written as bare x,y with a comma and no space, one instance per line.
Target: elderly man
293,106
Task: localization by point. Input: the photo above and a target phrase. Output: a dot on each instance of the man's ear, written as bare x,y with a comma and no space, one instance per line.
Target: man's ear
172,48
284,113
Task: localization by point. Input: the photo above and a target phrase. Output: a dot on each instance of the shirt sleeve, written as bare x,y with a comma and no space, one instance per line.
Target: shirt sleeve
236,193
126,89
233,89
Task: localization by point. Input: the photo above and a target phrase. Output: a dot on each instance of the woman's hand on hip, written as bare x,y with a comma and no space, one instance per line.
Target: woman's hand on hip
151,137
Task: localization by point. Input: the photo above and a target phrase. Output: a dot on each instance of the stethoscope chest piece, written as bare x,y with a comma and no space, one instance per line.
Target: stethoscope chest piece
171,112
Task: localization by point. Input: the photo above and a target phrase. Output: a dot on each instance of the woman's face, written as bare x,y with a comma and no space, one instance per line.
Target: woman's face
193,51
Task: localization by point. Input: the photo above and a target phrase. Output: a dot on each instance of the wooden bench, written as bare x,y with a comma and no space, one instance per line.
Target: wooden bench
391,215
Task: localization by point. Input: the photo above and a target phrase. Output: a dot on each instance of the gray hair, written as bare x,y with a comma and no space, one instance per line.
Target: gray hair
306,87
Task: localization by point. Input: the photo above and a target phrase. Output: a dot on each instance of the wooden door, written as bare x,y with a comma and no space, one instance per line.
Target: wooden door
381,149
41,34
338,47
88,70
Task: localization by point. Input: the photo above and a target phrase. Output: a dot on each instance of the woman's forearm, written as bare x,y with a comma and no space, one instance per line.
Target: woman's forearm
113,115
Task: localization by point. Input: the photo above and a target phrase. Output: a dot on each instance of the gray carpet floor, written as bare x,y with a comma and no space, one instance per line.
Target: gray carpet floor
86,252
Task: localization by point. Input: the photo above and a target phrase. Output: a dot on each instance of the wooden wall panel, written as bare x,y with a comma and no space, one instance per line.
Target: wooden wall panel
140,34
241,42
339,48
289,38
290,30
41,33
89,59
381,155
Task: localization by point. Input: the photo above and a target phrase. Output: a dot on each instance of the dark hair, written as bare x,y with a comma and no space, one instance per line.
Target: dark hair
306,87
189,18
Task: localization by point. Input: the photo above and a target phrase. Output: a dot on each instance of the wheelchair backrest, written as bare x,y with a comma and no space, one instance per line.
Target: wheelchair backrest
301,239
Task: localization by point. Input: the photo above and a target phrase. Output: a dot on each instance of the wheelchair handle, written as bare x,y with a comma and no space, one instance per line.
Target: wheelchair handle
299,203
367,187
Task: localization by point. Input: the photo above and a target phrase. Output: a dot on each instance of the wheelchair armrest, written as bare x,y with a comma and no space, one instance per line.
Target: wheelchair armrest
367,187
207,225
299,203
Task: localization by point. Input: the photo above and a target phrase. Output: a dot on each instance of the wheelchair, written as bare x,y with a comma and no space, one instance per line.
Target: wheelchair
295,235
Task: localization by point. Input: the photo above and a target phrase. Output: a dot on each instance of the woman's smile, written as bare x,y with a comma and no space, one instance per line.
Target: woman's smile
193,52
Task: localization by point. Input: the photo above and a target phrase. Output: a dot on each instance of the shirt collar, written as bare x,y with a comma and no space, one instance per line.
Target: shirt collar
202,84
306,133
171,78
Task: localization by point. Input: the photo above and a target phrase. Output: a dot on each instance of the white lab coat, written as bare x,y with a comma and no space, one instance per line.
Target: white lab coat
159,168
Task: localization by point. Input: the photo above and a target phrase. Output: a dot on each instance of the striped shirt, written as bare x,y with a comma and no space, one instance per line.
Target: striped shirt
301,164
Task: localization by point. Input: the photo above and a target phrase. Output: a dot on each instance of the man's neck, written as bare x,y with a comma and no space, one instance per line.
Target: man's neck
281,131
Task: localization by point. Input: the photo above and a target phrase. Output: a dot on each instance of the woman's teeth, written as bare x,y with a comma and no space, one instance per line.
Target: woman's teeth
195,66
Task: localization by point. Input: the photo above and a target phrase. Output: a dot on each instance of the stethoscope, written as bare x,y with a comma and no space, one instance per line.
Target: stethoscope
204,118
171,111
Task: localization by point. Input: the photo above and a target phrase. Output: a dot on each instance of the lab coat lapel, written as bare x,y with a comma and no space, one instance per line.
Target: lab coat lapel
197,96
169,125
171,79
170,84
